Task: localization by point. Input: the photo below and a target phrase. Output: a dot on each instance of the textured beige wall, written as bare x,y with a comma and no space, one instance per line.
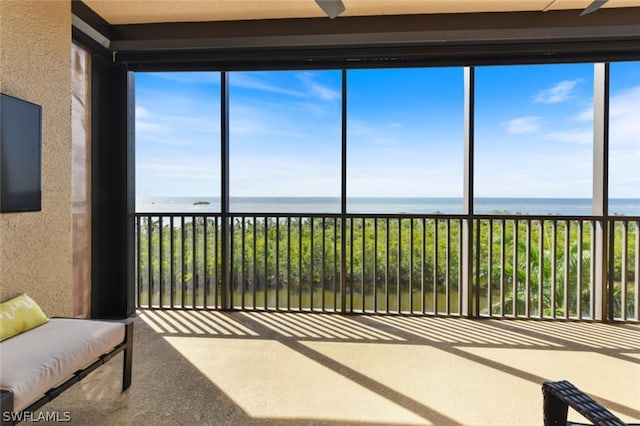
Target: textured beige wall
35,61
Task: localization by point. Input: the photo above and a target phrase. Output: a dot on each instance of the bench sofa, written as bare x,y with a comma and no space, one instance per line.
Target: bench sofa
39,364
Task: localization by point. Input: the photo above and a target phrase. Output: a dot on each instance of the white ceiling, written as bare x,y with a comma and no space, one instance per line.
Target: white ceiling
155,11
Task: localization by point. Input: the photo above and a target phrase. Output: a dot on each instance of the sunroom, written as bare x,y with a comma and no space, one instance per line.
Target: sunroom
453,171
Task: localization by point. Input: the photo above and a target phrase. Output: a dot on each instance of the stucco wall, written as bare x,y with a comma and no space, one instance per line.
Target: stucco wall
35,60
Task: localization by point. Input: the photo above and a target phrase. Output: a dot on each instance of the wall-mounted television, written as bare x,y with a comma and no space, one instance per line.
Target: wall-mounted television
20,155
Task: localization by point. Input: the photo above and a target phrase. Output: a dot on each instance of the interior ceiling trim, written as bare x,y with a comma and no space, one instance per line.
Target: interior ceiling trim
364,31
375,57
456,38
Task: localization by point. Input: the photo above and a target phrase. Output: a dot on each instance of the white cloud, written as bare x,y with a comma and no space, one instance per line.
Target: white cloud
318,109
267,121
167,168
175,119
556,94
147,122
522,125
141,112
374,134
624,126
289,176
406,181
149,127
519,175
624,141
247,81
582,136
324,93
176,129
626,102
585,115
178,175
317,90
190,77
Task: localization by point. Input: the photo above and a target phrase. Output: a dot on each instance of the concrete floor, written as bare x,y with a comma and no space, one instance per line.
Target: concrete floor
210,368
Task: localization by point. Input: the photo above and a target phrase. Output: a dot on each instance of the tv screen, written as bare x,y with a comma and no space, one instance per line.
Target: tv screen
20,155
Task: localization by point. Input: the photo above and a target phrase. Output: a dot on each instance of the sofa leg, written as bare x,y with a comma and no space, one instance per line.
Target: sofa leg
555,410
6,408
127,356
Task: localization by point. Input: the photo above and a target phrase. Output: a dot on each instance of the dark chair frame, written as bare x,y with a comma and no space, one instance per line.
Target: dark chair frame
559,396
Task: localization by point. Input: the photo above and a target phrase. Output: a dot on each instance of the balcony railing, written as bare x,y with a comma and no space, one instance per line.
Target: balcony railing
518,266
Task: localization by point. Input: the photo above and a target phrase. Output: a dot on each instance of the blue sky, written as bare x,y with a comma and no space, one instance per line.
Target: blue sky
534,134
177,134
285,133
405,132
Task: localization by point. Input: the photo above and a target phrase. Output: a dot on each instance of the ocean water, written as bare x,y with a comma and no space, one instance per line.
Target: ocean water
532,206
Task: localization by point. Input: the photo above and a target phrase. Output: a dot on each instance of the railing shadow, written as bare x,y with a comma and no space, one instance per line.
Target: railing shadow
452,335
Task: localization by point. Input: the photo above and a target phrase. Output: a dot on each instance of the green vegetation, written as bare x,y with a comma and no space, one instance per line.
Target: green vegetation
523,267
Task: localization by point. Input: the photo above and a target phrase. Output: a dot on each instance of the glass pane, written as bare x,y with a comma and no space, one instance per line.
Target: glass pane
624,139
178,142
534,139
285,141
405,133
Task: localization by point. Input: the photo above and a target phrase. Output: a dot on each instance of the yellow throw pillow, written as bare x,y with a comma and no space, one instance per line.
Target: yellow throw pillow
18,315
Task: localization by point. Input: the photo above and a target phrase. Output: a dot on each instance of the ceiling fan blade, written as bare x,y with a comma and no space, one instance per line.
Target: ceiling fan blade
332,8
595,5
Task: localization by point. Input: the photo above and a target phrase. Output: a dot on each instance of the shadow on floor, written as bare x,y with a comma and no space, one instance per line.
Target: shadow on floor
209,367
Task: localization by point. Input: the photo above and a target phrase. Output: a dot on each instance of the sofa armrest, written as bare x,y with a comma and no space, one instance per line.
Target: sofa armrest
559,396
127,348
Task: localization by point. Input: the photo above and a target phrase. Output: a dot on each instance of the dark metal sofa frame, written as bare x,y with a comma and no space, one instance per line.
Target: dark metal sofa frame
559,396
9,417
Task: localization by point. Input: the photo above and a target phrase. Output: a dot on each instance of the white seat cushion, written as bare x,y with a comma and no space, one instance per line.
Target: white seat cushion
33,362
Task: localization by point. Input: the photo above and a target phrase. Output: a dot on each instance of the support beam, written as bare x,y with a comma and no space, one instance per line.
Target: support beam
226,290
467,224
603,305
113,196
343,198
443,29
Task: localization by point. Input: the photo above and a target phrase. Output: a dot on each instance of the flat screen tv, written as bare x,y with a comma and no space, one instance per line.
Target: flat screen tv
20,155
